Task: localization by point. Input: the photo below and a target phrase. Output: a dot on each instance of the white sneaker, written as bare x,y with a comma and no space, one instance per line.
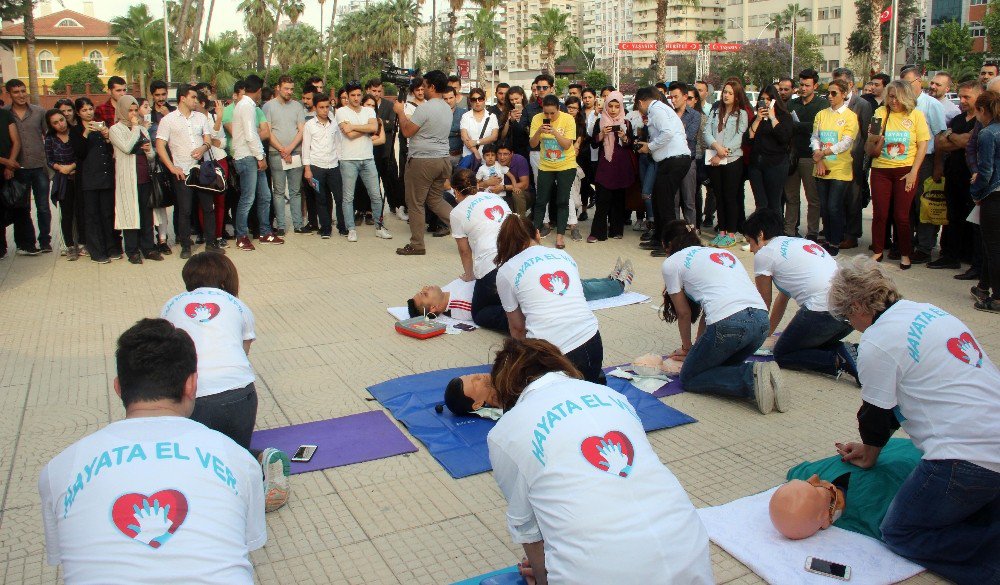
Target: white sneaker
780,392
763,386
383,233
745,247
352,236
401,214
627,274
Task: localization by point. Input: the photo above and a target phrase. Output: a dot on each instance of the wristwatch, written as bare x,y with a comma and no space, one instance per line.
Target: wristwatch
477,142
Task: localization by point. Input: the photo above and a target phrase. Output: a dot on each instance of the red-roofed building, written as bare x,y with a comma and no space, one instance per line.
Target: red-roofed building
61,38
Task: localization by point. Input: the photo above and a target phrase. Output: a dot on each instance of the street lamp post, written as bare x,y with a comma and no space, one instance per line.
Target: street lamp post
166,39
321,37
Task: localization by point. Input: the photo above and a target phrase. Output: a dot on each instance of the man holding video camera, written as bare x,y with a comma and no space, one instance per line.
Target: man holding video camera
428,165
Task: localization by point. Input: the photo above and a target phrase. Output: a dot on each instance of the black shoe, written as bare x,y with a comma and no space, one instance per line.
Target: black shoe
301,230
649,245
221,242
212,247
101,260
309,228
342,232
185,252
944,262
583,216
45,248
324,235
153,255
646,236
135,258
970,274
918,257
895,255
280,233
199,239
34,252
660,253
164,248
441,232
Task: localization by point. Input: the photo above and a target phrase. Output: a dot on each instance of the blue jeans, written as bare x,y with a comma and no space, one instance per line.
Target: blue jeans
715,363
946,517
292,179
810,342
329,185
253,184
350,170
39,181
832,207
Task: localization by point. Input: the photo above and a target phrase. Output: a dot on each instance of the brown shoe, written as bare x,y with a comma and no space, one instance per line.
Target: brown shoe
848,244
409,250
244,243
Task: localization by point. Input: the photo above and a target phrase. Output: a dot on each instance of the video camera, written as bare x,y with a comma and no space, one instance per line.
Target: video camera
398,76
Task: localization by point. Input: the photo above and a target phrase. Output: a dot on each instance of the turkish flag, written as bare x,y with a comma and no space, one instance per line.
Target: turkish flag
886,15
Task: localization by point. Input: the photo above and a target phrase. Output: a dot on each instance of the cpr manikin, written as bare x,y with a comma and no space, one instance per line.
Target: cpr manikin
800,508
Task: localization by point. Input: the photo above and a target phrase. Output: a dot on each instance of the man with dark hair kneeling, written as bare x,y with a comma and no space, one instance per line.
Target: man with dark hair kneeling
190,497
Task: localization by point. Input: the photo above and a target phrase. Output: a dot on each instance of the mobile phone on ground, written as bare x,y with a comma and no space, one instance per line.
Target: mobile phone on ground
876,125
464,327
304,453
828,568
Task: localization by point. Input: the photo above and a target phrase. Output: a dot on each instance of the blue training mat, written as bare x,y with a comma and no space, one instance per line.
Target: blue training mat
459,442
508,576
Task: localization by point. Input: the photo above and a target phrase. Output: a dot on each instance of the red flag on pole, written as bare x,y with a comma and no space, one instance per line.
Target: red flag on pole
886,15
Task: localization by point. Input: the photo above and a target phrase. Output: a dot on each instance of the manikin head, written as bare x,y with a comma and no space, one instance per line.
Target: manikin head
800,509
468,393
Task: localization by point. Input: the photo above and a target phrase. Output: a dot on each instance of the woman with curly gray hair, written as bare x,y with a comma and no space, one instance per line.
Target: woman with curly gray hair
922,368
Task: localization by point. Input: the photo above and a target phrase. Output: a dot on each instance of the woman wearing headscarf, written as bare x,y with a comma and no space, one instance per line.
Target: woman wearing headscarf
133,180
612,135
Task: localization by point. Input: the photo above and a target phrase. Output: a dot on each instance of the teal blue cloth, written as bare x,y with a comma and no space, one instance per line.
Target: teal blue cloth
871,490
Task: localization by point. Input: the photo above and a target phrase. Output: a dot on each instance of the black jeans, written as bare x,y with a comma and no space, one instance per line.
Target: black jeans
329,183
24,230
727,182
387,171
71,214
233,413
185,207
141,240
956,237
989,225
768,184
589,357
670,173
99,207
610,210
858,198
487,310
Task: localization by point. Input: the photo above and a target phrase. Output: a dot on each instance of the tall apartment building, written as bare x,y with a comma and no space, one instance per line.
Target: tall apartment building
831,20
684,22
524,58
969,12
605,24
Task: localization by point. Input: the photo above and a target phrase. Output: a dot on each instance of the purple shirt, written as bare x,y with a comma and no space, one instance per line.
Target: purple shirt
518,167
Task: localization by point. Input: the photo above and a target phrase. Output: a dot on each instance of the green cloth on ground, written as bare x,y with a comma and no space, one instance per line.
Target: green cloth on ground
871,490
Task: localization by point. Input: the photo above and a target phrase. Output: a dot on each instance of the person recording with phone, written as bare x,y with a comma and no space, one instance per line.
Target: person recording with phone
133,181
514,122
613,134
97,182
771,137
554,133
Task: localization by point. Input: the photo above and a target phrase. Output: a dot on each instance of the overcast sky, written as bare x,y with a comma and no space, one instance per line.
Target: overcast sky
222,18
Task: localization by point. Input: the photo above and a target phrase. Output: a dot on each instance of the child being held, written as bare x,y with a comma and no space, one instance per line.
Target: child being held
491,173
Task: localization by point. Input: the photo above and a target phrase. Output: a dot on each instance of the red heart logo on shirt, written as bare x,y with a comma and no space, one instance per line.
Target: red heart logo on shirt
151,520
965,348
556,282
612,453
815,250
494,213
202,312
724,259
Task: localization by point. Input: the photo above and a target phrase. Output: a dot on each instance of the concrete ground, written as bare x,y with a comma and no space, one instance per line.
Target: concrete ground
323,337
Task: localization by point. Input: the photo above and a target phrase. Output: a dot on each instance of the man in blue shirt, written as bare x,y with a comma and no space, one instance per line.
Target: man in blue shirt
933,111
668,144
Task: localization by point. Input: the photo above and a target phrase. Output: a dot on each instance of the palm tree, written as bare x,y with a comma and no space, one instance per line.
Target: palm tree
259,18
294,10
481,30
710,36
296,44
329,43
217,63
662,7
455,5
140,45
196,30
29,41
405,14
208,24
277,20
782,21
876,32
548,29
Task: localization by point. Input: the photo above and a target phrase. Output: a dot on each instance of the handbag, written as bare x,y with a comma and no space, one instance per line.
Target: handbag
933,204
469,161
162,194
208,176
16,194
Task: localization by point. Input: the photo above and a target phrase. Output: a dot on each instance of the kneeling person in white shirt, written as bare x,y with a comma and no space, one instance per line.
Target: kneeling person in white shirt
156,497
587,496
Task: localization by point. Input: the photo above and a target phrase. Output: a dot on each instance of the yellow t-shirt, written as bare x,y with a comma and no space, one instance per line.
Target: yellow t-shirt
553,157
832,127
902,133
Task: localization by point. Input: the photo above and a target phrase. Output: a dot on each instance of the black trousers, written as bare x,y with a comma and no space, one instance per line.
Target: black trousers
71,214
141,240
24,230
727,182
956,237
387,171
99,209
487,310
989,225
670,173
233,413
185,207
610,210
588,357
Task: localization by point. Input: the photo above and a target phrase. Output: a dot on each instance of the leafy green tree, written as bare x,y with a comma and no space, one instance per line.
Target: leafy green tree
217,64
260,18
481,30
949,45
140,46
77,76
295,44
596,79
294,10
991,24
870,40
548,30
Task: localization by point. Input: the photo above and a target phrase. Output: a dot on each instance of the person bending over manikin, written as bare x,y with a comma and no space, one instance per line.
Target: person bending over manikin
473,301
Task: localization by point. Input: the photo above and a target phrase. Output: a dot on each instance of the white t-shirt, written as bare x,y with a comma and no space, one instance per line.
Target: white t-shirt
97,524
218,323
359,148
478,218
926,365
183,135
460,302
475,127
489,171
545,284
713,278
586,480
800,268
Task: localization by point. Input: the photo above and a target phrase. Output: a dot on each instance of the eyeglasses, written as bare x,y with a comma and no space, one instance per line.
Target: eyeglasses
834,93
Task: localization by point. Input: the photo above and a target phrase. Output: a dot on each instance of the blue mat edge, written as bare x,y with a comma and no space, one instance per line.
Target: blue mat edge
479,579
